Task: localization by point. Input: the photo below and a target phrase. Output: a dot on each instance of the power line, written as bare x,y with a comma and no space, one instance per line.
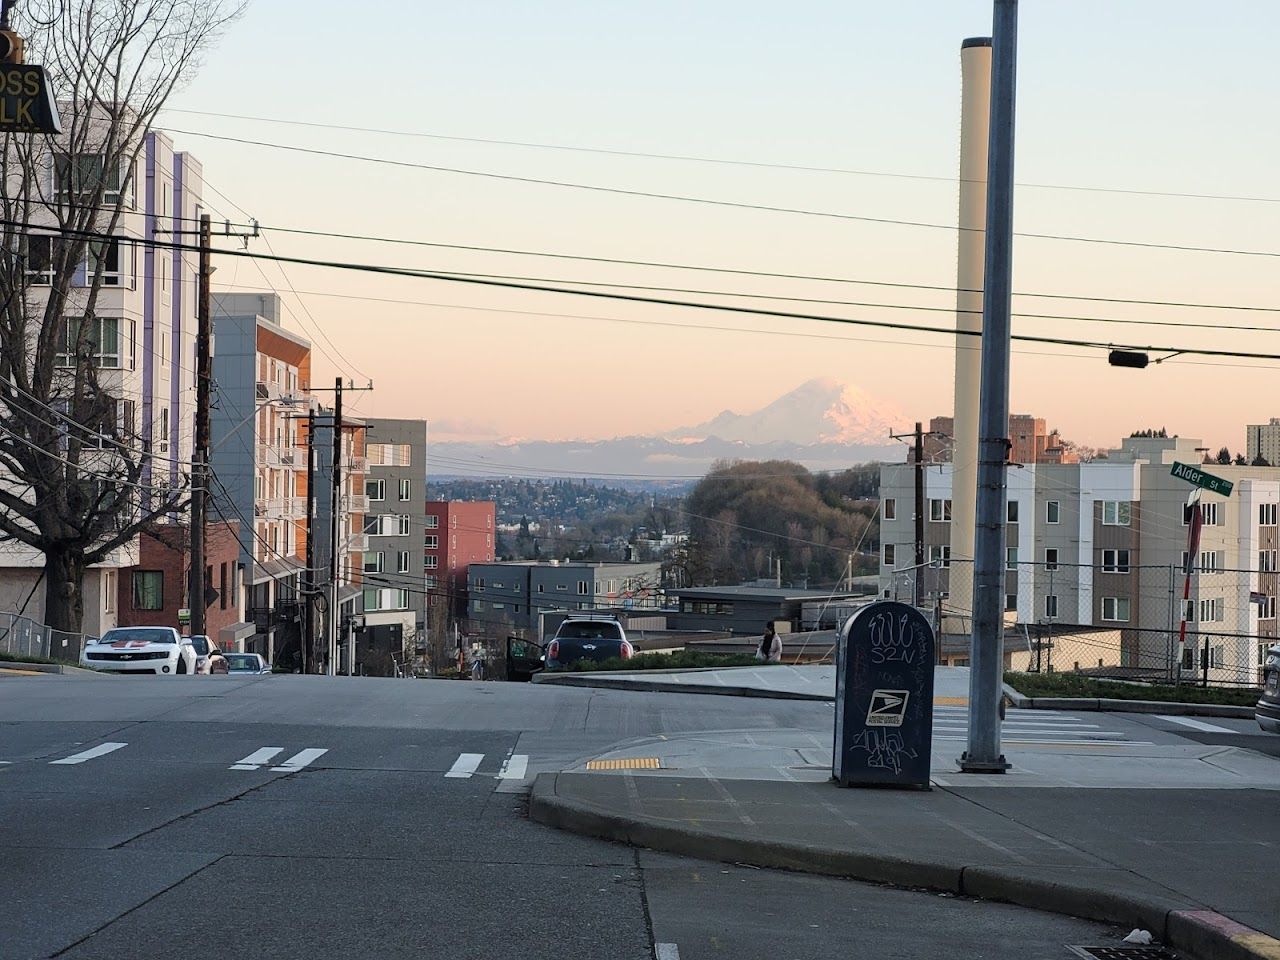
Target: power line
86,471
713,160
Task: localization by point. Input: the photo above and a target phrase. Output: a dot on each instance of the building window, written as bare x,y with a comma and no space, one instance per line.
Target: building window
889,555
1011,511
434,562
1211,561
1051,558
1267,514
891,509
432,582
223,597
1116,513
1188,610
940,511
1010,601
109,591
1208,514
1266,561
82,173
433,523
478,605
1115,609
1211,610
148,589
375,489
583,588
1011,558
116,269
499,606
1052,511
1115,561
373,562
403,520
940,555
433,542
1267,608
1264,650
562,587
404,489
100,344
1051,606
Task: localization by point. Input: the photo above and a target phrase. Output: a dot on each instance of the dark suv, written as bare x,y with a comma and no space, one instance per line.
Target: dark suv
594,637
1268,709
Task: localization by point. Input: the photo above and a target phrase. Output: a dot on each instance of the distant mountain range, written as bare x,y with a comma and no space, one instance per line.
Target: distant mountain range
823,423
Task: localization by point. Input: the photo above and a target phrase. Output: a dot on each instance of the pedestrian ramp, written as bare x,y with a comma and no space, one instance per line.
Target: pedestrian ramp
1036,729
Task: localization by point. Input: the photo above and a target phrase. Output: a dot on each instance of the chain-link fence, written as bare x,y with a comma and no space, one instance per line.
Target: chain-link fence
1113,619
23,637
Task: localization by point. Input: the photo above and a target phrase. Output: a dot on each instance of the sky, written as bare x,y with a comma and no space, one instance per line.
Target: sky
1136,95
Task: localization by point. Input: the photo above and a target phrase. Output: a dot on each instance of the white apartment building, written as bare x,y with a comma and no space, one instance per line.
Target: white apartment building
143,336
1102,546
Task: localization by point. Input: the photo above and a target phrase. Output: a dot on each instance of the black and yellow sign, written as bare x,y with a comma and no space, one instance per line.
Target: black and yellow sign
26,105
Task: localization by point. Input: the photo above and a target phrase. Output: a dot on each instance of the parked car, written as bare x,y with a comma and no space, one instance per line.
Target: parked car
209,659
1267,711
242,663
155,650
595,637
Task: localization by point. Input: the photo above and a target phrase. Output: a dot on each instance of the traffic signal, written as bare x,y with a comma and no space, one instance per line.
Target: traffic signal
10,47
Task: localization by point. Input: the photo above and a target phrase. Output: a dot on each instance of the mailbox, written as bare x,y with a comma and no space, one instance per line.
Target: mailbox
884,698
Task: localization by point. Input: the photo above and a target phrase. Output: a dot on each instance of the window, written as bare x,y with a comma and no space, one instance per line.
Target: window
403,520
499,606
1267,514
404,489
1116,513
109,591
222,587
1010,601
433,542
1011,558
373,562
562,587
432,582
1115,608
1051,606
83,173
1208,514
100,343
375,489
390,454
433,523
1011,511
148,589
1263,651
582,588
891,509
1115,561
889,555
162,437
1188,610
117,265
478,604
433,562
940,555
1267,608
40,255
1216,658
1210,561
1212,610
1052,511
1051,558
1266,561
940,510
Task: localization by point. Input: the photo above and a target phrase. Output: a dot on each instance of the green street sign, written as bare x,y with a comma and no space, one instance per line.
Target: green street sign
1208,481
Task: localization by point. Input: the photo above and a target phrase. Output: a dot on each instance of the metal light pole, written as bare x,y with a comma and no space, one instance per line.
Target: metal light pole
987,655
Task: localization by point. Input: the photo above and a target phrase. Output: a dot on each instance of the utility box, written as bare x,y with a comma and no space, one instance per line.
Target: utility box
884,698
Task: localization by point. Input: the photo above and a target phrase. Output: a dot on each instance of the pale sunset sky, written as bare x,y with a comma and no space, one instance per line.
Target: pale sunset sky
1133,95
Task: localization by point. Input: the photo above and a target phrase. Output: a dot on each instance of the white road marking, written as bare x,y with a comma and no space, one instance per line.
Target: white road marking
666,951
256,759
465,765
514,768
1067,743
300,760
1015,724
100,750
1198,725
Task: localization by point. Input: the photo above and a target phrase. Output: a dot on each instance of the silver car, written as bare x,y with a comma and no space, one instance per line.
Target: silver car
246,663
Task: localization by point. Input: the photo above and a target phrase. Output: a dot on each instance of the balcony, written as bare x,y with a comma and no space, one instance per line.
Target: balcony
357,465
280,458
356,543
358,503
281,508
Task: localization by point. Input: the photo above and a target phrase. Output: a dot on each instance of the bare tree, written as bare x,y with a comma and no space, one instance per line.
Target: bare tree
73,469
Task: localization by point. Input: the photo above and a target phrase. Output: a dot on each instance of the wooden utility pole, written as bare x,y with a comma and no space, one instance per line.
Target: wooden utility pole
309,624
200,450
335,613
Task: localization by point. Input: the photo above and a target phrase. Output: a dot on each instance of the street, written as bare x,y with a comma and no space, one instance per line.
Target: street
307,817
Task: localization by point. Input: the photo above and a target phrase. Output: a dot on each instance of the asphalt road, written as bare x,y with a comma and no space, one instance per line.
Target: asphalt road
319,818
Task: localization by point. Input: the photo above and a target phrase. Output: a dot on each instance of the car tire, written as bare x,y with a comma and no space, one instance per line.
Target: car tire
181,667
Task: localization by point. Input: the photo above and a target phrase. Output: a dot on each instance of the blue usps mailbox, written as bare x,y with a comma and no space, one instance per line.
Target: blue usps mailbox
884,698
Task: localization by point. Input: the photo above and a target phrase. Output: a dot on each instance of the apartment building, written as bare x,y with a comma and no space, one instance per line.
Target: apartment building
456,534
1030,441
1103,545
258,459
513,595
1262,441
394,598
143,338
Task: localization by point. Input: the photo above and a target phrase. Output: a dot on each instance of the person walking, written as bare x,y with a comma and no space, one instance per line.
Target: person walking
770,649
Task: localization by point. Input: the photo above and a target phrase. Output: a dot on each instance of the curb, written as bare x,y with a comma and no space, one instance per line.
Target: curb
1202,933
666,686
44,667
1109,705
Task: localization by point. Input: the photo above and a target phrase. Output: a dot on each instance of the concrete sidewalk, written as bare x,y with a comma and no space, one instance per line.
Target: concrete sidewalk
1196,868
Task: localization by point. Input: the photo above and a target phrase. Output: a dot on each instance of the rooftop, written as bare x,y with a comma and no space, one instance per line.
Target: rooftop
765,593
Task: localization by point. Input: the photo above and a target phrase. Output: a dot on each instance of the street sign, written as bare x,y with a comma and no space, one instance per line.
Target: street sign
26,105
1197,476
184,615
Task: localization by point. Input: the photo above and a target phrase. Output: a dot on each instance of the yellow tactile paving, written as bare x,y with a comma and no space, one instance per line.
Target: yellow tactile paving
15,672
950,701
625,763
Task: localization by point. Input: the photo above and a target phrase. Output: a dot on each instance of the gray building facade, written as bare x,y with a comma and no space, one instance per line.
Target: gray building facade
511,596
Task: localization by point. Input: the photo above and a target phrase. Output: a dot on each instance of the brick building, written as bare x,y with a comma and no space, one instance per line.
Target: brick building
457,534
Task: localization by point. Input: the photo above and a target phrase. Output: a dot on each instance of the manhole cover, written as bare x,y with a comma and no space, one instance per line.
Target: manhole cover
625,763
1125,952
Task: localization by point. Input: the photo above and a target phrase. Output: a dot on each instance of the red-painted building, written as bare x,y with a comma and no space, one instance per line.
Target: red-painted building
152,592
458,533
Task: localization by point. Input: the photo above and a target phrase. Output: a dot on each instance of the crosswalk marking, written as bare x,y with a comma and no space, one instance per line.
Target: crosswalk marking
100,750
256,759
666,951
1199,725
465,765
1064,743
514,768
300,759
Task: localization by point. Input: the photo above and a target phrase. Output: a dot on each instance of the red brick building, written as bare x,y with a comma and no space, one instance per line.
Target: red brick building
457,534
153,591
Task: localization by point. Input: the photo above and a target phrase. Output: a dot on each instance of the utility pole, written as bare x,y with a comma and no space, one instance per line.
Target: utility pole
987,653
335,614
917,594
200,451
309,626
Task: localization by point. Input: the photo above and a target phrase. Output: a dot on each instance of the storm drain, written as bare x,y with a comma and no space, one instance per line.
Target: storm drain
1125,952
625,763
